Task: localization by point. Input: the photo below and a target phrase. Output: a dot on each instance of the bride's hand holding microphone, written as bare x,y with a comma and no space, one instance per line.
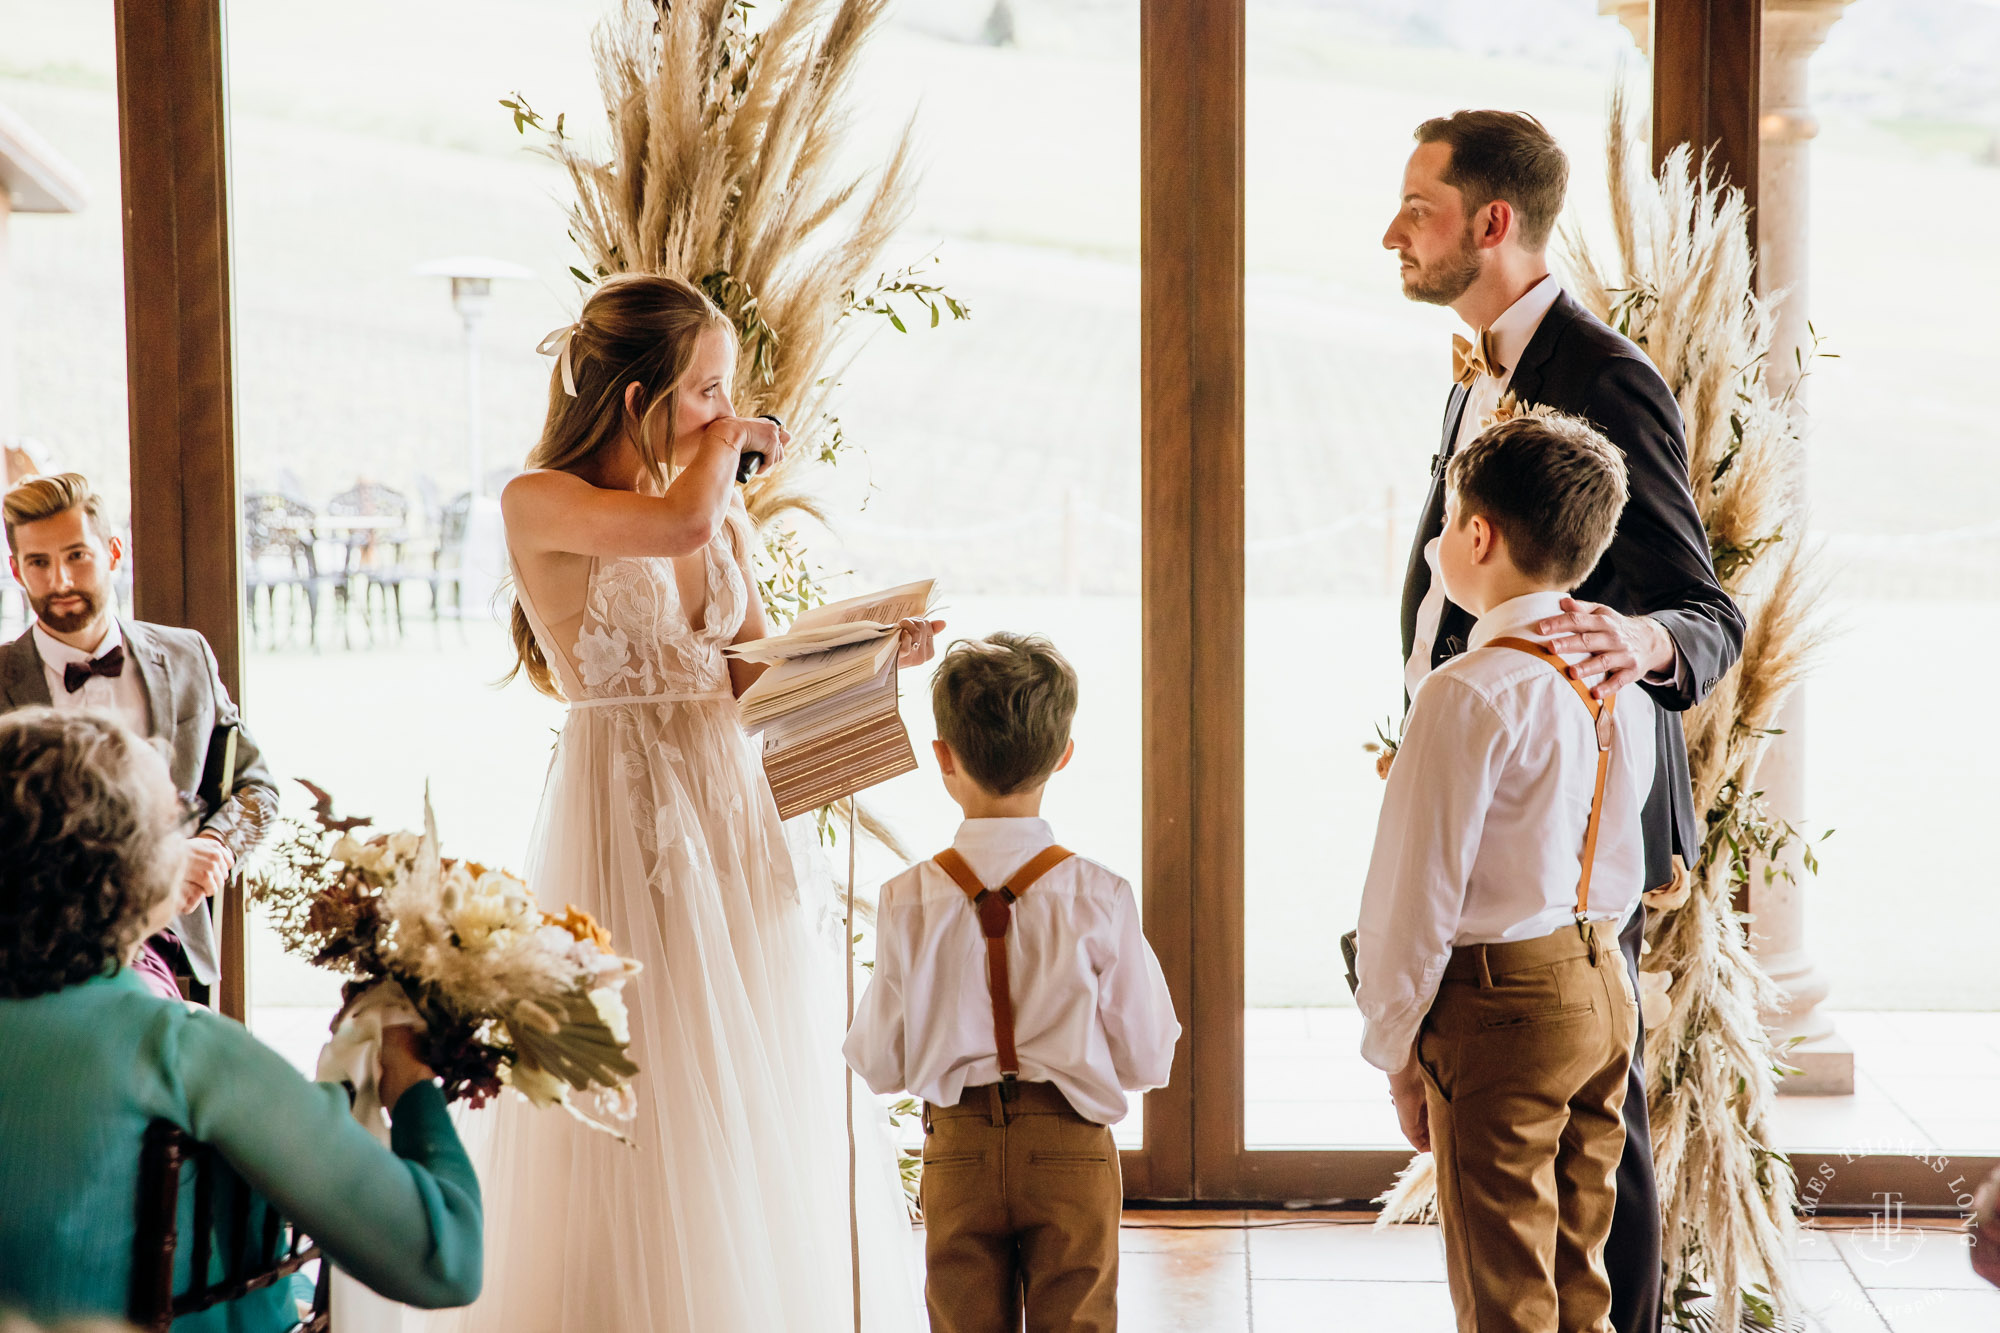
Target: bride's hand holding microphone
758,442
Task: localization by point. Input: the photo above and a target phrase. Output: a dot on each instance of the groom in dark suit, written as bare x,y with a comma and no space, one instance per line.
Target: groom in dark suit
160,681
1480,197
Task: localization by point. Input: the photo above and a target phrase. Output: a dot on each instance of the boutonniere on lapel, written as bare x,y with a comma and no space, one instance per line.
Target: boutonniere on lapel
1384,747
1509,407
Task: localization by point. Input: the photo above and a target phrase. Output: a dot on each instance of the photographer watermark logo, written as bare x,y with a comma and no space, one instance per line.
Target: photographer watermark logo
1886,1240
1893,1230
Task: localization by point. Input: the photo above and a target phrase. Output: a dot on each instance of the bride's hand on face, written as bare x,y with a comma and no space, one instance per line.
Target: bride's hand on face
919,642
705,419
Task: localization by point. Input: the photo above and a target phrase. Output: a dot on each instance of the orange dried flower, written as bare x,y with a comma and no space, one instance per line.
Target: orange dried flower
581,925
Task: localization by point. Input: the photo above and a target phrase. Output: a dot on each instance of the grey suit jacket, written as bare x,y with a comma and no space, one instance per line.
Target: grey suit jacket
185,695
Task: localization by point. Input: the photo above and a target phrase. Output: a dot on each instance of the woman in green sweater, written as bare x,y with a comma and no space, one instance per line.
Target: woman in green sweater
90,832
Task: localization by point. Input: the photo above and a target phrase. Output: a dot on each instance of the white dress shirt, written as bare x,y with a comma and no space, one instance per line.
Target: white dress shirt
123,695
1481,834
1091,1009
1507,338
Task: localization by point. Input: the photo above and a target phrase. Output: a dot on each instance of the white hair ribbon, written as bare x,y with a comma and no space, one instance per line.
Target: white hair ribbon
557,345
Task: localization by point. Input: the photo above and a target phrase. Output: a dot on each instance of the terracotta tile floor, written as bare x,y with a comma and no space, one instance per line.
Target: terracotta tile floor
1275,1272
1257,1272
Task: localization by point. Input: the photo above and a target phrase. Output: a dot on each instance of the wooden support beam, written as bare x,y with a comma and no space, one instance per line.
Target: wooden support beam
1707,92
1191,242
174,158
1707,67
173,140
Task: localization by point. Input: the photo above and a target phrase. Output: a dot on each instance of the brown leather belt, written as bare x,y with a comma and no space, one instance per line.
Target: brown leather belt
1483,962
1002,1102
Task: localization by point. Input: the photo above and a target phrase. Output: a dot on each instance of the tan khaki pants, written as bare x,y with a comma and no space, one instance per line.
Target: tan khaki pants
1524,1055
1021,1202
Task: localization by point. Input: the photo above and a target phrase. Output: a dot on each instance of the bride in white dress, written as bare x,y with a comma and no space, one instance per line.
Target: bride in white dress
730,1212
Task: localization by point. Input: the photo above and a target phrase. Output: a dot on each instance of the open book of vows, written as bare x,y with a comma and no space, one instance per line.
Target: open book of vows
827,705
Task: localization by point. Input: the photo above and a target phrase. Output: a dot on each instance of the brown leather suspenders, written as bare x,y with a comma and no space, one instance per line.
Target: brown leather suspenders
1600,713
996,912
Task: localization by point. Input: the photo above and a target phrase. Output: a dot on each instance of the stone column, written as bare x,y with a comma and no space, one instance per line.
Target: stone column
1793,30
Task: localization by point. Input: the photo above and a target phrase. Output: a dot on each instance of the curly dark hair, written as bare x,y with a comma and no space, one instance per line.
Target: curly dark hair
84,849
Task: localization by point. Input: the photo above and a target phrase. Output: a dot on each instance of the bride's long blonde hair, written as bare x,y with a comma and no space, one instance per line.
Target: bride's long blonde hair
635,328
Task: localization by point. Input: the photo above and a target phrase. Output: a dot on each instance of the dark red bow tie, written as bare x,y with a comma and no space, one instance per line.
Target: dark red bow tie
77,674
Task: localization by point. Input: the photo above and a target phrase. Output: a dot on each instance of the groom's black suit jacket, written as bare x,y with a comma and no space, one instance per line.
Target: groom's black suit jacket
1658,564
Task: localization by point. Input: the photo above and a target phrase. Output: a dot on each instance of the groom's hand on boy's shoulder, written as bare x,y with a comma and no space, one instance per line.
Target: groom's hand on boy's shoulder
1622,648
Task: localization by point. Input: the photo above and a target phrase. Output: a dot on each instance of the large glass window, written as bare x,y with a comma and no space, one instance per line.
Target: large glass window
1346,386
62,266
999,455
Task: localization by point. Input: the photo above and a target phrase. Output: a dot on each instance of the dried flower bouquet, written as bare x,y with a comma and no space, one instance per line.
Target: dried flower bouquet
508,995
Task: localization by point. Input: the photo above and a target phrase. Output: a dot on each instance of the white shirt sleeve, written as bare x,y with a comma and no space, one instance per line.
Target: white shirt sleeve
1133,1002
1433,814
1674,675
875,1044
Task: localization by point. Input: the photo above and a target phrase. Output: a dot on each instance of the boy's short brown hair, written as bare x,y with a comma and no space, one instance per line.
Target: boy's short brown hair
1504,155
38,498
1550,485
1004,705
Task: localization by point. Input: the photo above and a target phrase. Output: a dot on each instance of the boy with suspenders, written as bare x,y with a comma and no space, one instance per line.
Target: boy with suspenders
1509,851
1015,993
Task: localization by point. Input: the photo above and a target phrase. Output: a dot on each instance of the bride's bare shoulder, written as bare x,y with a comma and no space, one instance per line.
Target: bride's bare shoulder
538,498
541,484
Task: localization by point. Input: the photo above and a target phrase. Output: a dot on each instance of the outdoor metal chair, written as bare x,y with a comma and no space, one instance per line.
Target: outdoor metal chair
432,501
256,1247
374,557
448,558
279,552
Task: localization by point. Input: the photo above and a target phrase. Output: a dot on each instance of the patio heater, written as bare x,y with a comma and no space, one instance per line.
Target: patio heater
471,290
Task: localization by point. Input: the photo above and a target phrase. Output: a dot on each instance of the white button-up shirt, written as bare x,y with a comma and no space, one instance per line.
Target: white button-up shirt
1508,338
123,695
1091,1009
1481,833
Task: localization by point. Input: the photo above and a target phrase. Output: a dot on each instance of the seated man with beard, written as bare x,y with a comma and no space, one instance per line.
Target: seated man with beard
159,681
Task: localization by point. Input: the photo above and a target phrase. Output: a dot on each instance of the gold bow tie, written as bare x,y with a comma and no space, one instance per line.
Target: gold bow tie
1470,360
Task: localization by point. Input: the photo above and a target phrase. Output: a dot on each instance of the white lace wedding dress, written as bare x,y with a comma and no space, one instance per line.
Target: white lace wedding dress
730,1213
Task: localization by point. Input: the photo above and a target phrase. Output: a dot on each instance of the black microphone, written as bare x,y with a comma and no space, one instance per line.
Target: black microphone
750,463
